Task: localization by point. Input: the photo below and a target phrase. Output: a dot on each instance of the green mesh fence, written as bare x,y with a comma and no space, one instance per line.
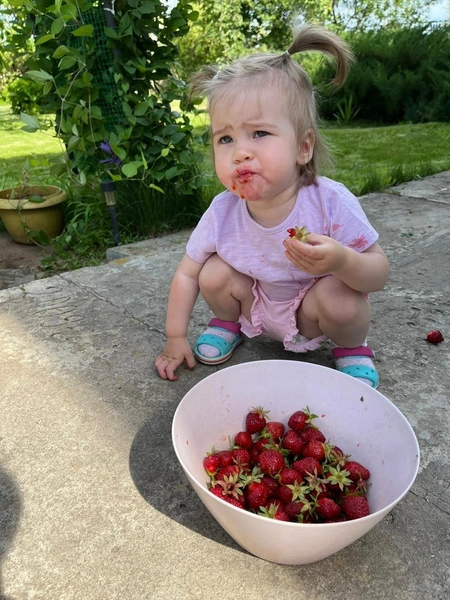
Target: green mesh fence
103,68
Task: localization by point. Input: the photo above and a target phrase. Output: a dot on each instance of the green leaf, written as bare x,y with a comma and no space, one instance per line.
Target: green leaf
130,169
66,63
84,31
155,187
36,199
69,12
57,26
141,109
44,38
61,51
30,121
39,76
165,151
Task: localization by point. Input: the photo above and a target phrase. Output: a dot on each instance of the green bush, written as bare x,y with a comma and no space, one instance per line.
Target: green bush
399,76
23,95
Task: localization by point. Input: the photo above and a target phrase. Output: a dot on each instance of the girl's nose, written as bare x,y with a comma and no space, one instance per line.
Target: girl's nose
242,152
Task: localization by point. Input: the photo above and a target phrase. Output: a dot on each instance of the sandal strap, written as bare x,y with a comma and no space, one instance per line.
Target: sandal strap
214,340
362,372
359,351
227,325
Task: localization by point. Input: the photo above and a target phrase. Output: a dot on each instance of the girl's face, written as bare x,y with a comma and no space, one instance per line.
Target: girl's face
256,150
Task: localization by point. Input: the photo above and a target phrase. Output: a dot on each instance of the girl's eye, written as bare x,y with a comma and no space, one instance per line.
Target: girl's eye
260,134
225,139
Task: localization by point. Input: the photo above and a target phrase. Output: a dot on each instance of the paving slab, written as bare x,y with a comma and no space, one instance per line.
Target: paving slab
93,504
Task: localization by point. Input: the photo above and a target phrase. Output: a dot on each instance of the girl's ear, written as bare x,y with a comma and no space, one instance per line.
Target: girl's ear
306,148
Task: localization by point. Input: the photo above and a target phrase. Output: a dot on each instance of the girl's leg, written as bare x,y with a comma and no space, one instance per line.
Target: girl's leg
343,315
332,308
228,294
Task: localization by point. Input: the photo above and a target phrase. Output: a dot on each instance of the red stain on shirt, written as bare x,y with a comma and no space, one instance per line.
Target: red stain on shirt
358,243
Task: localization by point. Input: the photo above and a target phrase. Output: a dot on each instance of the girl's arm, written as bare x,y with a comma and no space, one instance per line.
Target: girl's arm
182,296
366,272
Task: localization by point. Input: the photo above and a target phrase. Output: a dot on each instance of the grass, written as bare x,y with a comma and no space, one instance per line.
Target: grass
16,146
366,158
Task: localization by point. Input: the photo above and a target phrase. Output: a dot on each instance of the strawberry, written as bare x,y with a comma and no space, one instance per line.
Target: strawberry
307,465
435,337
328,508
292,441
255,420
312,433
314,449
289,476
356,471
355,507
211,464
218,491
225,457
274,429
293,509
270,483
263,443
274,509
301,419
257,495
299,233
241,457
271,462
284,493
227,472
243,439
337,479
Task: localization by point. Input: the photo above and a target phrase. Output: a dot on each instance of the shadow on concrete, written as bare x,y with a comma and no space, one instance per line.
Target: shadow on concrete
10,511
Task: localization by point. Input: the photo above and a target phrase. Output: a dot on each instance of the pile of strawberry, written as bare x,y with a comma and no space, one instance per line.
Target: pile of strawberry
289,474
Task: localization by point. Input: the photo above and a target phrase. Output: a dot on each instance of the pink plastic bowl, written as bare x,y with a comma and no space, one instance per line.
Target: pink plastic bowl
352,415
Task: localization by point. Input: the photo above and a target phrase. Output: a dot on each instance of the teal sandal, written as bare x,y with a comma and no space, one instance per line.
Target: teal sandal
225,348
358,371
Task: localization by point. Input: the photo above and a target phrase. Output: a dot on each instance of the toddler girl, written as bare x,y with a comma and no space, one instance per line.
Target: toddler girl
254,277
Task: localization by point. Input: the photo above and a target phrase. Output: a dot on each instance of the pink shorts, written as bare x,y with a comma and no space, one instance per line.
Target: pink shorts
278,320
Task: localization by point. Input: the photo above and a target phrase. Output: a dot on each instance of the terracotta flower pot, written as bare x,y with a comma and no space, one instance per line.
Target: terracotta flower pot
20,215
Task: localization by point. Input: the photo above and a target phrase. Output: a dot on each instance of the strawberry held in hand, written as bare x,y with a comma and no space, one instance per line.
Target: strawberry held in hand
299,233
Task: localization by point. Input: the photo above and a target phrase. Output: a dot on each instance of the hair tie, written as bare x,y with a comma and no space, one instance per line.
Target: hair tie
288,53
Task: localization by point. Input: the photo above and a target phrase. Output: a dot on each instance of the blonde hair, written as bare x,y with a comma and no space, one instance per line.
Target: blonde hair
280,70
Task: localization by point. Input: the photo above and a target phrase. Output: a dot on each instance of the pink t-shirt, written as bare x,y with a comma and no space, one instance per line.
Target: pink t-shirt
226,228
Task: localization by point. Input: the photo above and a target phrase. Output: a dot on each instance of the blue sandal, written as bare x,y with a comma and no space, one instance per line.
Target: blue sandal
225,348
358,371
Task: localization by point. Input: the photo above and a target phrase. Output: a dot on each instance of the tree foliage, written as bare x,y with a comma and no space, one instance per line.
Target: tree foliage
226,29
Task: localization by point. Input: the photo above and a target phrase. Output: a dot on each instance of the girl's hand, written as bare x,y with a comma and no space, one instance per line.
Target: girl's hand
176,351
320,255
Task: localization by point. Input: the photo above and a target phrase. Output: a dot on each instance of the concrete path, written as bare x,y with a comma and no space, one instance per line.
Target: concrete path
94,506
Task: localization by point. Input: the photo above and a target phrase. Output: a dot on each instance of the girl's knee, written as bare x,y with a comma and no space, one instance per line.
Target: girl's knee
335,301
